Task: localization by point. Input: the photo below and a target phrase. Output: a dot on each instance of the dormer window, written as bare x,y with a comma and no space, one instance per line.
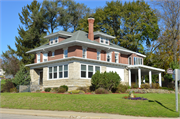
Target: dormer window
51,41
137,61
56,40
107,41
102,40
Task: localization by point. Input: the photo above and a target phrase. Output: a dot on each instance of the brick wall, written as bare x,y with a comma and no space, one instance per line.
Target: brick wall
124,59
91,53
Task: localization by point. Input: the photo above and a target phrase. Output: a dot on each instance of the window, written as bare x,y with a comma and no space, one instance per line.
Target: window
38,58
137,61
52,54
45,57
102,40
65,53
97,68
60,72
116,57
84,53
83,71
129,60
98,55
65,71
108,57
50,72
56,40
87,71
90,71
107,41
55,72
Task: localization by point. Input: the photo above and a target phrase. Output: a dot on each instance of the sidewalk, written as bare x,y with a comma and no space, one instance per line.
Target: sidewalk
70,114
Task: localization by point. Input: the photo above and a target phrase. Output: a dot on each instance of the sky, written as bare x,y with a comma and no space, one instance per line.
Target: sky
9,18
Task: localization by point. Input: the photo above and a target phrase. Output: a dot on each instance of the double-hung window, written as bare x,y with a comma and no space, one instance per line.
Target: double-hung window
83,71
84,53
108,57
60,71
65,53
38,58
45,57
52,54
90,71
55,72
129,60
50,72
65,71
116,57
137,61
97,68
98,55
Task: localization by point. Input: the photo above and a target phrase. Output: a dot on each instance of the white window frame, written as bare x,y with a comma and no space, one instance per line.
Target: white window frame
52,54
84,50
101,39
99,55
56,40
45,57
137,61
131,60
38,58
58,72
104,41
87,70
65,50
107,41
110,54
116,53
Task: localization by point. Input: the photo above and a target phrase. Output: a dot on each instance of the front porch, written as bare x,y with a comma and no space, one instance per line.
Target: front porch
136,72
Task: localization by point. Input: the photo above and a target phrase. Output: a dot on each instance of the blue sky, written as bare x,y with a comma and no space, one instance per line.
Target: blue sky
9,19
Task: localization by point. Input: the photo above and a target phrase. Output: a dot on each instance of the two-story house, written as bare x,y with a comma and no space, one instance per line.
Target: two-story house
72,58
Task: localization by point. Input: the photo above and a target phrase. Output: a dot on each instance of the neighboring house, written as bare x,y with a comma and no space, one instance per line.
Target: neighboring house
72,58
1,70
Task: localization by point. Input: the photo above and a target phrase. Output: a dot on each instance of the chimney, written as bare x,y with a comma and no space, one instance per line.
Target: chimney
91,28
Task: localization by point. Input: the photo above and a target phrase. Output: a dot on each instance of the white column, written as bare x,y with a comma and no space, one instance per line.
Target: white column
136,78
139,77
129,77
160,83
150,78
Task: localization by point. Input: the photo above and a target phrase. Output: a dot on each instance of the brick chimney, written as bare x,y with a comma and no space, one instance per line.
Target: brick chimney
91,28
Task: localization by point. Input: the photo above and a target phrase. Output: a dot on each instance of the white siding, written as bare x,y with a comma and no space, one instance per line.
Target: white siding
119,71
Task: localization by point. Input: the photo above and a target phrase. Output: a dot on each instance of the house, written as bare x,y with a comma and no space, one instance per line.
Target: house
2,72
72,58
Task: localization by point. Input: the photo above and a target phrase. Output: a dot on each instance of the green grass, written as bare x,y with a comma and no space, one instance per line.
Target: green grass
158,105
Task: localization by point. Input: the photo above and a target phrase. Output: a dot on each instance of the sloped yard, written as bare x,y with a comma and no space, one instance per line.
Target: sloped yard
157,105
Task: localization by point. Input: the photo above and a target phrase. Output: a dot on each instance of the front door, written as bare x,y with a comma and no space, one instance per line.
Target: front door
41,78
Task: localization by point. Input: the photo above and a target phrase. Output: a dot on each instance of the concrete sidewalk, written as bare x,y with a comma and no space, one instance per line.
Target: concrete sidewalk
70,114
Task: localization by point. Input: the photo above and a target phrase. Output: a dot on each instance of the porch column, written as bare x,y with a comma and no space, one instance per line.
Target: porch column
136,78
129,77
139,77
150,78
160,83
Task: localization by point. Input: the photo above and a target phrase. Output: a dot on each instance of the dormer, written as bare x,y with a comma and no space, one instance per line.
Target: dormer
103,38
58,37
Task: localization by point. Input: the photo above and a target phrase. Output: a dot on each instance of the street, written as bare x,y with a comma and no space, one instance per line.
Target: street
15,116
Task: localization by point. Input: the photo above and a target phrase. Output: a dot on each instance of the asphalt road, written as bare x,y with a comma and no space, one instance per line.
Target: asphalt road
14,116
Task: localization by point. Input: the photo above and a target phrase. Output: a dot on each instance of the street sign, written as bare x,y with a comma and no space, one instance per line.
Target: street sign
170,71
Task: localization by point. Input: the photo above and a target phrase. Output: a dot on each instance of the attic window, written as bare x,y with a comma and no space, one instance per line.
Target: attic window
107,41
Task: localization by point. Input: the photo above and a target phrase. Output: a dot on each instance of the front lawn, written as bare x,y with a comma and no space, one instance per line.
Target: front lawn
158,105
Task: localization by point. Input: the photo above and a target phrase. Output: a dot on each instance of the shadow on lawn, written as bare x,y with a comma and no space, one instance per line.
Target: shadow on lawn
161,104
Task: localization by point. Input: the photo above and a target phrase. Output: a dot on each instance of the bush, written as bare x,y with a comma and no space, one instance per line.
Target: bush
134,85
38,91
76,92
64,86
61,90
47,89
85,89
7,86
105,80
121,88
92,88
54,90
101,91
145,86
155,85
165,88
14,90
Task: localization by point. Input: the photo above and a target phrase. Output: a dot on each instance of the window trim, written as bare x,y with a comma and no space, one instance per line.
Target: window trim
53,53
140,63
116,53
57,72
84,49
110,54
66,49
87,70
131,60
39,57
44,57
99,55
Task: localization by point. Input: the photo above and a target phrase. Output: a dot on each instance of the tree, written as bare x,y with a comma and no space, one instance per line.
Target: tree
33,19
22,77
132,23
10,63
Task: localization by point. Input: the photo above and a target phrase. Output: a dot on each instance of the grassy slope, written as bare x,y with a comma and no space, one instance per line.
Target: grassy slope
159,105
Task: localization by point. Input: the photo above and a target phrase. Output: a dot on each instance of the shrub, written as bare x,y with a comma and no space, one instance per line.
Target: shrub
47,89
167,88
38,91
145,86
61,90
101,91
155,85
7,86
64,86
85,89
54,90
105,80
14,90
121,88
92,88
76,92
134,85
